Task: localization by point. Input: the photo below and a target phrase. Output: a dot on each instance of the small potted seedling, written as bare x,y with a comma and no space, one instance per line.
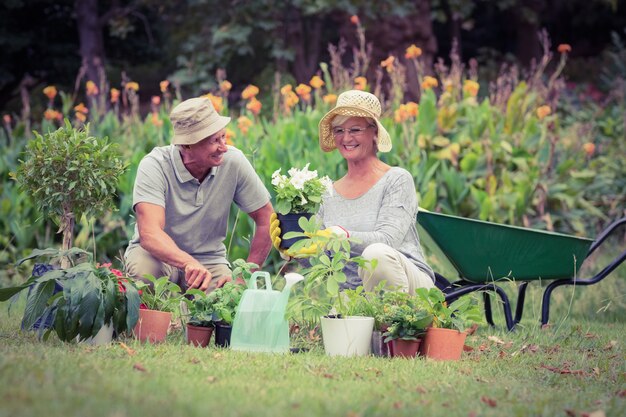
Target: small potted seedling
444,340
200,312
160,297
405,322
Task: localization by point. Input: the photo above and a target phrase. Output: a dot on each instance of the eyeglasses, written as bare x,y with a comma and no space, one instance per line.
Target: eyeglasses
220,139
353,131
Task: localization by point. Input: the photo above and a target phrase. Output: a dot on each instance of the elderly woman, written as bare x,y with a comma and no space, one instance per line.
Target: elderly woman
374,202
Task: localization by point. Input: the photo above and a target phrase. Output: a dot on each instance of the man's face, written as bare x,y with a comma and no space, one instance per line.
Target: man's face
209,152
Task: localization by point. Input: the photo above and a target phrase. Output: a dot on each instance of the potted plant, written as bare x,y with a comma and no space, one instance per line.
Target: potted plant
350,330
205,311
345,332
200,311
297,195
405,322
93,298
224,301
160,297
70,174
445,338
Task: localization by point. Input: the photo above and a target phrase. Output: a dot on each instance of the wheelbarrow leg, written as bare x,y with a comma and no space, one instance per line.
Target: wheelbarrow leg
521,297
468,288
488,312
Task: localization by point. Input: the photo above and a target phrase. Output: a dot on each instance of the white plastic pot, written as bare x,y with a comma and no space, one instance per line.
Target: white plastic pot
103,337
348,336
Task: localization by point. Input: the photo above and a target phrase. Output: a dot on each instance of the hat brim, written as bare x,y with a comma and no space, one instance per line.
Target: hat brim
327,141
202,132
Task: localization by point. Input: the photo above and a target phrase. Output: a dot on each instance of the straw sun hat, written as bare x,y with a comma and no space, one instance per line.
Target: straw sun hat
354,103
195,119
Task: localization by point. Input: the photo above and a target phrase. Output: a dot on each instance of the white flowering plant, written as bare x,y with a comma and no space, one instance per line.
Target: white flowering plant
299,192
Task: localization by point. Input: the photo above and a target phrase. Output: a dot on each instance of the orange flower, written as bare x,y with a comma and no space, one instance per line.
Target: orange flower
225,86
564,48
360,83
7,119
413,52
243,123
388,63
400,115
354,19
51,114
80,116
230,134
330,98
254,106
471,87
91,88
156,100
291,99
217,101
132,86
429,82
543,111
412,108
163,85
249,92
304,91
316,82
155,119
81,108
285,89
50,92
405,112
589,148
115,95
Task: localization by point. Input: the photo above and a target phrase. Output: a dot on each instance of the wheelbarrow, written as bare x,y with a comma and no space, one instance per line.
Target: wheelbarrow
485,254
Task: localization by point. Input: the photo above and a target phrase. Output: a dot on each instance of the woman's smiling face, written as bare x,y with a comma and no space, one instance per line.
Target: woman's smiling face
355,138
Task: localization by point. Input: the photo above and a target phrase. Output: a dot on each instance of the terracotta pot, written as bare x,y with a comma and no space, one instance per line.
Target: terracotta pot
199,335
443,344
289,223
152,325
405,348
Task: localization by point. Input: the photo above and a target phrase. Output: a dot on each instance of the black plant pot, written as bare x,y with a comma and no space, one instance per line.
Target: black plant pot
222,334
39,270
289,223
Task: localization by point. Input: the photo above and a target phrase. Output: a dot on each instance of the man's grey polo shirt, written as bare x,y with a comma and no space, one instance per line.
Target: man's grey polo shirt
196,214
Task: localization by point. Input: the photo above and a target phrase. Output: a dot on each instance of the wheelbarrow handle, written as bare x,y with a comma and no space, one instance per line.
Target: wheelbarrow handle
605,234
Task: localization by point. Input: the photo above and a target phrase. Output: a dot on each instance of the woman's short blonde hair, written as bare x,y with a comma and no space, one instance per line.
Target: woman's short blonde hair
341,119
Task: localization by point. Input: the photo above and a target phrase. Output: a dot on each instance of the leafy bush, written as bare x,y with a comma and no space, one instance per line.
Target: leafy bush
70,174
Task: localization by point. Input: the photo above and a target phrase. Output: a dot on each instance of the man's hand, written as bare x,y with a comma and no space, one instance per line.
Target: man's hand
223,280
197,276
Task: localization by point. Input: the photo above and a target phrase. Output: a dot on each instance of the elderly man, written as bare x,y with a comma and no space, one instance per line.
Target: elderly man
182,198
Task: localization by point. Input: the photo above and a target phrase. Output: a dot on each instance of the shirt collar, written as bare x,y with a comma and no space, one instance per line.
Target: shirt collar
182,173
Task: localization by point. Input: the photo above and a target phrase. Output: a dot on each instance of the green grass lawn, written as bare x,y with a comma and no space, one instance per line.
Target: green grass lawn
573,367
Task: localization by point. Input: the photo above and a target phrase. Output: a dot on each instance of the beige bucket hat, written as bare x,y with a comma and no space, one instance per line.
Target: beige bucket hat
354,103
195,119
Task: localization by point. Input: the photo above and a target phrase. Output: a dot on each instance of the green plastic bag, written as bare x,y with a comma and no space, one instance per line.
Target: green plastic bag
260,324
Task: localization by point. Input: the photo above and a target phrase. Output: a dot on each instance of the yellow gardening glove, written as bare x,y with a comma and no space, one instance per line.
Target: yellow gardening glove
275,231
276,240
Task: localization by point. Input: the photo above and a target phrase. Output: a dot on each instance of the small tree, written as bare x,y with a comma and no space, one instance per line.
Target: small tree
70,174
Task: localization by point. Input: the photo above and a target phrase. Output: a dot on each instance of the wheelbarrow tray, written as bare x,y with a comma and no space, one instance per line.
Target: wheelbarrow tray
483,252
